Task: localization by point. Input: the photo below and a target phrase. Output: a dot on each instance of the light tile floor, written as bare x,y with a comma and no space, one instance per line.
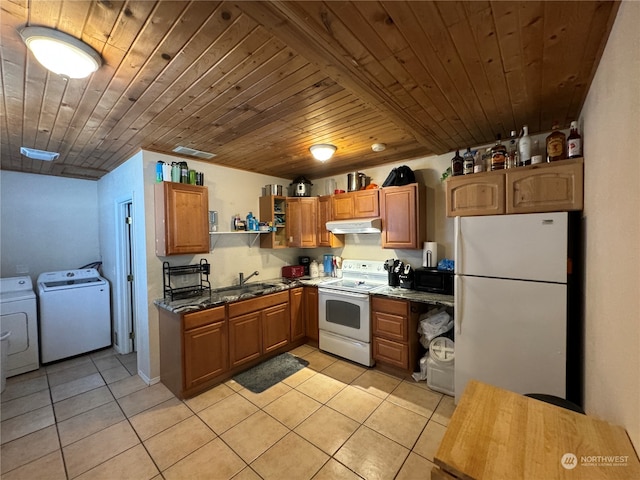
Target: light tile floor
92,417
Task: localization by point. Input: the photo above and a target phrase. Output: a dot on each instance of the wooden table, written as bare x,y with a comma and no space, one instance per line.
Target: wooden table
496,434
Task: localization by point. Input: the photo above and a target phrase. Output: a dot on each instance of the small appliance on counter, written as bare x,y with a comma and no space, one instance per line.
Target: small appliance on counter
405,277
433,280
293,271
305,262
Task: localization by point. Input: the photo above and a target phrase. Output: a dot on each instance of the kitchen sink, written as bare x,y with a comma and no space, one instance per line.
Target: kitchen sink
246,290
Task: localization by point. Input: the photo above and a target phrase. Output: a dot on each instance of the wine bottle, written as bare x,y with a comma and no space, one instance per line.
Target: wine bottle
574,142
467,164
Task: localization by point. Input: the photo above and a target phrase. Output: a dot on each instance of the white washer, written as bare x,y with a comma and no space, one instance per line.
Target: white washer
75,313
19,315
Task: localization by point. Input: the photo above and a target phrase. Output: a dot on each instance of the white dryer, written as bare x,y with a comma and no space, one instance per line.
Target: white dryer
18,314
75,313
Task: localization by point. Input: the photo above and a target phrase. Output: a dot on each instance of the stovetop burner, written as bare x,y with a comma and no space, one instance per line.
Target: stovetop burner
359,276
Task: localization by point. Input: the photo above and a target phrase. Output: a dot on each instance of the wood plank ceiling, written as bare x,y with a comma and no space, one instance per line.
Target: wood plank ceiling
257,83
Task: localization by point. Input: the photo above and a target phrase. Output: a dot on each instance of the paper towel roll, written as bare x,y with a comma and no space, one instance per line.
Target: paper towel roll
430,255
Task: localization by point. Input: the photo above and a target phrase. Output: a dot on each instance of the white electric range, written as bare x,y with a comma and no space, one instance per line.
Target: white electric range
344,311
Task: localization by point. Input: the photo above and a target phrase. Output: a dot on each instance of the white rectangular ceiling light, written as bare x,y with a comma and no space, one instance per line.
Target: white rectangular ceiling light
39,154
193,152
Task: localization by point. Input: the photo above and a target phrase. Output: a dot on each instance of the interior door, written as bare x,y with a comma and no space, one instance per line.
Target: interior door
512,334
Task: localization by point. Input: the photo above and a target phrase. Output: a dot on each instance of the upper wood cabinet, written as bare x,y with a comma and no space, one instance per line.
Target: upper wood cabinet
359,204
552,188
325,214
475,194
545,187
182,219
403,213
302,221
273,209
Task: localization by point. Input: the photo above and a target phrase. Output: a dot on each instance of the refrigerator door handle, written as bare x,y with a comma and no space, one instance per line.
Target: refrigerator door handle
457,245
457,304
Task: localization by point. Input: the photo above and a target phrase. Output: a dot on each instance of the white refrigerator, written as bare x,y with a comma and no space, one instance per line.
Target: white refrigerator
511,303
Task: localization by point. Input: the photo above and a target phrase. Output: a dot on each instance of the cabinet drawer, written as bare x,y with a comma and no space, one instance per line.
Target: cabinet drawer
203,317
388,305
393,327
393,353
260,303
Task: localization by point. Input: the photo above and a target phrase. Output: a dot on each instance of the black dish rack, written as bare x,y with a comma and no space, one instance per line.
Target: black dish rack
202,287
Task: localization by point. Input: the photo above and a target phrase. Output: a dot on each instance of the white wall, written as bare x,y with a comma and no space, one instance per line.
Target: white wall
47,223
611,118
124,184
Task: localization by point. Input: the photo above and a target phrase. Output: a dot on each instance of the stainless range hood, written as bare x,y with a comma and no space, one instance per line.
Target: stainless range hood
357,225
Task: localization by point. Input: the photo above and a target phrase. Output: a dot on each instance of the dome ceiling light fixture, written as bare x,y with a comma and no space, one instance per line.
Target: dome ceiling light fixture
61,53
322,151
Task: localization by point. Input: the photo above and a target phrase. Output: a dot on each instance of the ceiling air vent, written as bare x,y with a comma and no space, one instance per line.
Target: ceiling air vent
193,152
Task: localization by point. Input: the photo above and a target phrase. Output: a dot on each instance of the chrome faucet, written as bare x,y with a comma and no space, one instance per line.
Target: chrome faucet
245,280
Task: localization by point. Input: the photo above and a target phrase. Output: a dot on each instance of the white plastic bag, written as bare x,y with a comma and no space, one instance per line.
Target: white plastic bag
432,324
422,374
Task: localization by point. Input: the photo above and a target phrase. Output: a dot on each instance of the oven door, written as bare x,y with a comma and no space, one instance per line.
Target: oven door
344,313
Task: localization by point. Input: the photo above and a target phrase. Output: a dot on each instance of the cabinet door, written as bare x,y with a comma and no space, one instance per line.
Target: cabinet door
545,188
182,219
476,194
205,353
296,311
245,338
366,204
403,216
343,206
311,312
393,353
301,222
275,327
325,237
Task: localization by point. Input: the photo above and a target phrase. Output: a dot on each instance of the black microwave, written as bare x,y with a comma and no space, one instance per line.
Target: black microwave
433,280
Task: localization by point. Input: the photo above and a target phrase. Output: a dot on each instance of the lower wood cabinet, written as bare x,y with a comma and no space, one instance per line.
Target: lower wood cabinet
201,349
395,332
311,313
245,338
296,311
258,326
193,349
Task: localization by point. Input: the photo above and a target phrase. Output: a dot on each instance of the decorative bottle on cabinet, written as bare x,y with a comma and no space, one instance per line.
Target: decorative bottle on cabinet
524,145
457,164
498,154
467,164
574,142
556,144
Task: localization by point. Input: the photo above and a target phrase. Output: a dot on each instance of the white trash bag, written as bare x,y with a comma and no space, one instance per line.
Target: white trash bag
432,324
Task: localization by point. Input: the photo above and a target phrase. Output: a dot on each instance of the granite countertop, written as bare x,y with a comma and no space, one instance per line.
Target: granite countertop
415,296
220,296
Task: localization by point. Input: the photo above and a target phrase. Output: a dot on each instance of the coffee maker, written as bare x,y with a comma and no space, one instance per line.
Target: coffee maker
305,262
